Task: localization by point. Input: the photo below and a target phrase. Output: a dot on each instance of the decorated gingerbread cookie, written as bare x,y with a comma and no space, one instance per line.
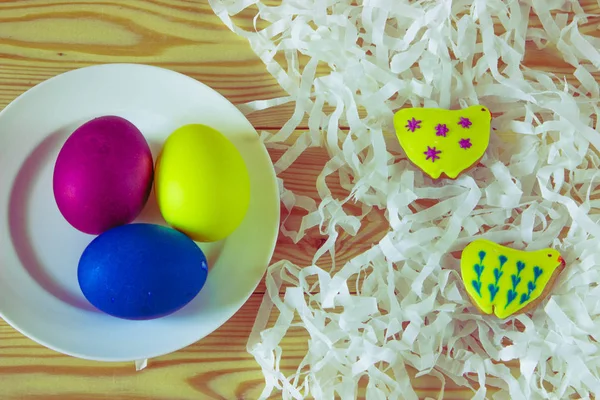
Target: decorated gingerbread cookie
443,141
505,281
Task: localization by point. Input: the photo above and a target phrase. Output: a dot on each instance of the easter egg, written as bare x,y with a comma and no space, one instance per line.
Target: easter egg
103,175
141,271
201,182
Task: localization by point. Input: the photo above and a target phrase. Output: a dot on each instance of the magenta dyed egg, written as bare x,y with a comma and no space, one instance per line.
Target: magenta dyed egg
103,175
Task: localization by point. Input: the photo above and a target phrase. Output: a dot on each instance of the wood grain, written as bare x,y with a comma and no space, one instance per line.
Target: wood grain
217,367
42,38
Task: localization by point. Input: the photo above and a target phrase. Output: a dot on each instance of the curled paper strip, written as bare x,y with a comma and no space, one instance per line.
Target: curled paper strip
537,188
141,364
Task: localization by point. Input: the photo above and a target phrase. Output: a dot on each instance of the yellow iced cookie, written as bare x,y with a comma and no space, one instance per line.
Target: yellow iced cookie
505,281
443,141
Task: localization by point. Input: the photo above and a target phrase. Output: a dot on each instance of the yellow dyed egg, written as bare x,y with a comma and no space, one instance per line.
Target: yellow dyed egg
202,184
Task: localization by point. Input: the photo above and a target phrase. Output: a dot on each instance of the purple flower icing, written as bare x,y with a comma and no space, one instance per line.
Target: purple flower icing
465,143
441,130
465,122
432,153
413,124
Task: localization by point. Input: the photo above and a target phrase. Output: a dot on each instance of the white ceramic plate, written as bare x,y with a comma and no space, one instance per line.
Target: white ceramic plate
39,250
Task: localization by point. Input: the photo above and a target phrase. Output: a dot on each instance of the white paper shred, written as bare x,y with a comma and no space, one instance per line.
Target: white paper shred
141,364
362,61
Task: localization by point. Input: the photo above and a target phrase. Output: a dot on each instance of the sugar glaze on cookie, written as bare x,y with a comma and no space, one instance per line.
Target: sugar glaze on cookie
505,281
443,141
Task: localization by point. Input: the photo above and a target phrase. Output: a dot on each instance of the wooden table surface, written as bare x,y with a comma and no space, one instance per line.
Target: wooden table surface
42,38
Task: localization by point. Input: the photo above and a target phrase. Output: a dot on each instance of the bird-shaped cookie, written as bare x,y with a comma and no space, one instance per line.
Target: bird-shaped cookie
505,281
443,141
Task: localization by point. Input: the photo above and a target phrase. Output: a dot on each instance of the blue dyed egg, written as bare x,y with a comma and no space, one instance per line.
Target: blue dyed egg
141,271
